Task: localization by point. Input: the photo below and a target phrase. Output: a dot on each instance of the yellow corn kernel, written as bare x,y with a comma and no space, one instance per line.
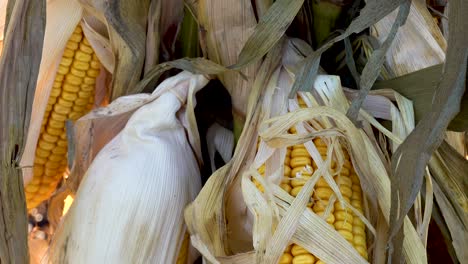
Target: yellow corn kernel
300,162
72,79
323,193
78,73
286,258
82,56
86,48
342,225
304,259
93,73
298,250
347,235
72,89
76,37
344,216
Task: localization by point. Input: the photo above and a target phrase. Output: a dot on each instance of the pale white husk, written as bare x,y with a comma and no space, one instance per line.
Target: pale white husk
62,18
129,206
231,217
418,43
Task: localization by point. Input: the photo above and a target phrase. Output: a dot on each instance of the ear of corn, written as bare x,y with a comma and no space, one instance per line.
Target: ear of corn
71,97
298,168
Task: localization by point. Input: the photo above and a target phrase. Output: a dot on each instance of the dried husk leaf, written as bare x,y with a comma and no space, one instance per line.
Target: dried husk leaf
127,22
19,68
219,139
221,216
164,18
417,45
94,130
225,27
457,141
134,209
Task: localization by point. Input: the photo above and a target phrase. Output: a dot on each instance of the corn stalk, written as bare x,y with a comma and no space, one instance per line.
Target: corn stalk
19,66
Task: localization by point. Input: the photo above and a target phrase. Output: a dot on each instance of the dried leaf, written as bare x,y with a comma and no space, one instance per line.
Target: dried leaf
420,87
372,69
369,15
412,156
225,27
269,31
19,68
193,65
127,22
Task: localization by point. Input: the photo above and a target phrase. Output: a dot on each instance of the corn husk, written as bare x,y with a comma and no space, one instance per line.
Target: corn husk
134,192
62,18
418,43
232,221
227,25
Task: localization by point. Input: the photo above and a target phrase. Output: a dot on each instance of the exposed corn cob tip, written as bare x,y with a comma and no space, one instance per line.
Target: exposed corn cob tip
71,97
298,168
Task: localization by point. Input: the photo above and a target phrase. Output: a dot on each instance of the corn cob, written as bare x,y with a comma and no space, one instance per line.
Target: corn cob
72,96
298,168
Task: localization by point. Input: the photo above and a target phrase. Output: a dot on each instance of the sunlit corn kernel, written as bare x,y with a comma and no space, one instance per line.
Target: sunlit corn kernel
52,165
321,205
322,193
81,101
344,216
78,73
84,66
304,259
343,181
74,80
63,69
300,162
89,81
59,77
358,230
298,250
286,187
72,45
356,188
76,37
46,145
62,143
346,191
68,53
55,157
86,48
322,183
347,235
301,171
286,258
299,152
31,188
58,117
82,56
330,218
342,225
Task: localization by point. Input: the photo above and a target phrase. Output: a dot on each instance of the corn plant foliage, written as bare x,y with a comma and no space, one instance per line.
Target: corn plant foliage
19,67
419,87
412,156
